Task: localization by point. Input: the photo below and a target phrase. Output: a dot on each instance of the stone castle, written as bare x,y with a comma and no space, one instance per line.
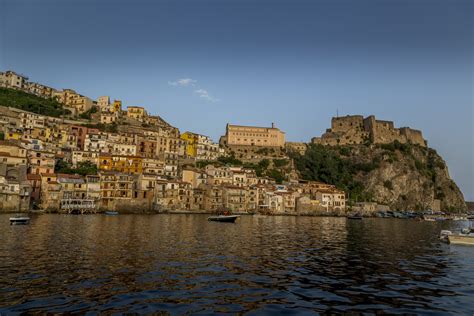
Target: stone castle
355,129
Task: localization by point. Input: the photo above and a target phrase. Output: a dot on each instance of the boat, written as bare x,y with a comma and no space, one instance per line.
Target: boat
465,237
354,216
223,218
19,220
111,213
461,239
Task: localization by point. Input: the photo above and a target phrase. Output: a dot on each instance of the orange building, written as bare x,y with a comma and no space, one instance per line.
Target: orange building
125,164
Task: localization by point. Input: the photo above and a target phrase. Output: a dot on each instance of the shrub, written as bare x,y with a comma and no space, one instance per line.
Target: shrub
32,103
278,163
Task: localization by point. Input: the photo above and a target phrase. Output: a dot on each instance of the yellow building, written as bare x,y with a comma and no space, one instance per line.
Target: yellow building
136,112
116,106
192,143
13,135
253,136
125,164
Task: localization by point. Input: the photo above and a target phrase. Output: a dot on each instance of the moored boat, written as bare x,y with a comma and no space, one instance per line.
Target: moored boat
111,213
461,239
465,237
223,218
354,216
19,220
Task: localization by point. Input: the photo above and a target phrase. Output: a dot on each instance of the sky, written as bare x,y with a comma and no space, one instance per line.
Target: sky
202,64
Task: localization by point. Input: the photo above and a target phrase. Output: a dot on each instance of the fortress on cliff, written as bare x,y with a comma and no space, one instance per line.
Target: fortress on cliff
355,129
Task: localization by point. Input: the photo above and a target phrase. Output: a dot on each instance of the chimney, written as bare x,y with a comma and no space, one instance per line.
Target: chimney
273,125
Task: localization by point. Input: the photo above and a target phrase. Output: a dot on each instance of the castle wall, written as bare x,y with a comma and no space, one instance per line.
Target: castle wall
346,123
412,135
355,129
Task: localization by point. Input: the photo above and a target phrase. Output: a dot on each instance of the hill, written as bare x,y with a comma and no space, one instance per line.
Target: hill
404,176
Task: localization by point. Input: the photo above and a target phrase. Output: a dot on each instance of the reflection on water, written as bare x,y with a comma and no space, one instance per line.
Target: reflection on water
185,264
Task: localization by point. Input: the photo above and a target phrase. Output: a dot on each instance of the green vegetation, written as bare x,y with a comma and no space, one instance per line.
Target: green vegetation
83,168
278,163
88,114
277,175
32,103
323,163
229,160
259,168
396,145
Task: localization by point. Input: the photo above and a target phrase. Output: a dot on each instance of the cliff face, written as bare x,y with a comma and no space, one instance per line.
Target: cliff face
403,176
411,180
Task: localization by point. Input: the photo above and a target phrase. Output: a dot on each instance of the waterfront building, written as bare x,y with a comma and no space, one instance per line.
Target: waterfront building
15,189
116,189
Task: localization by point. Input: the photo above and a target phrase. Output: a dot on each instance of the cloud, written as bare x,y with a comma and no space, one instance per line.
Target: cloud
188,82
184,82
205,95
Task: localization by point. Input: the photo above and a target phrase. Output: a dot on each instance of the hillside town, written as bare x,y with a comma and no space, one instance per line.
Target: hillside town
99,155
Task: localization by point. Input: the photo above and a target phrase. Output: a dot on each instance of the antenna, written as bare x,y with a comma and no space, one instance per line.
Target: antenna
337,112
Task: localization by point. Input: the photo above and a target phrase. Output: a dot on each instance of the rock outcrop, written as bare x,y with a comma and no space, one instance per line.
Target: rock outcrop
403,176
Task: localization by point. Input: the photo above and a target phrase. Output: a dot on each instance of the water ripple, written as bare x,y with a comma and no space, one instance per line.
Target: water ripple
182,264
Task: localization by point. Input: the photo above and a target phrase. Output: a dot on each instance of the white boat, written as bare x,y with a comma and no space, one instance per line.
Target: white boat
19,220
465,237
461,239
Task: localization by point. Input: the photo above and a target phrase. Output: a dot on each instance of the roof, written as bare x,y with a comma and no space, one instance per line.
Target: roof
260,127
32,176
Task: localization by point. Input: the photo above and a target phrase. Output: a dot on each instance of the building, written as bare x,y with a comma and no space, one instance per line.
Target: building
15,189
116,189
11,79
40,90
200,147
118,163
136,112
12,154
355,129
40,162
253,136
103,103
194,176
108,117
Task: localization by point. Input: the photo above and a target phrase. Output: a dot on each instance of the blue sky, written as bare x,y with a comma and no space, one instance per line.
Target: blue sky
294,63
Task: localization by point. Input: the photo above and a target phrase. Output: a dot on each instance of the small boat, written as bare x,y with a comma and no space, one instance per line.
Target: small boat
355,216
465,237
223,218
461,239
111,213
19,220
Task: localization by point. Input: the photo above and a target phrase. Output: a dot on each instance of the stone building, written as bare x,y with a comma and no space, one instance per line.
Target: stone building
355,129
253,136
15,189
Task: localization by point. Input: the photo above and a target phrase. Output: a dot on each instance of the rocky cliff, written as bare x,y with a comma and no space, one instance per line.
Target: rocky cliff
403,176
